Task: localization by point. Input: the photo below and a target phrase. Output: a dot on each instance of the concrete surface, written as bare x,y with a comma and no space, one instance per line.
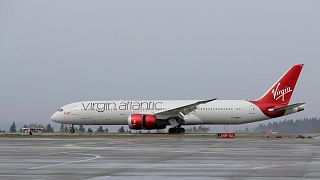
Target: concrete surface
159,158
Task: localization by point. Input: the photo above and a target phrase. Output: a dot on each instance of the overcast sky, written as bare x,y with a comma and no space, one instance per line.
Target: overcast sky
60,51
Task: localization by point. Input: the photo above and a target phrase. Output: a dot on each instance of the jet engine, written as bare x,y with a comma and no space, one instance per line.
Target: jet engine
145,121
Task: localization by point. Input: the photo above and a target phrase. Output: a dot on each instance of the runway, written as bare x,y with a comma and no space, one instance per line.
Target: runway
159,158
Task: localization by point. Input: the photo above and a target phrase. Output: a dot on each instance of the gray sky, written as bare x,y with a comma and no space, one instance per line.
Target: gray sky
56,52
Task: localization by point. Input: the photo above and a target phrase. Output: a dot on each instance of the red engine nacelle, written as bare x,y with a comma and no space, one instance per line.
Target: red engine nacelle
144,121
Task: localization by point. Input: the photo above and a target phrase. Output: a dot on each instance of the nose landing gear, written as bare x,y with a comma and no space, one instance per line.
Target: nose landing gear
72,129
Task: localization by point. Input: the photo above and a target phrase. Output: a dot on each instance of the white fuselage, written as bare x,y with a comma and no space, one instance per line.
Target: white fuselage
158,114
117,112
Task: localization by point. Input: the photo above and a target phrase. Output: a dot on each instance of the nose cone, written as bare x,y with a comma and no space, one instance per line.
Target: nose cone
57,117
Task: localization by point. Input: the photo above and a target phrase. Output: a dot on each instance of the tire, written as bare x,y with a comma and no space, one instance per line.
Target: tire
171,130
182,130
176,130
72,130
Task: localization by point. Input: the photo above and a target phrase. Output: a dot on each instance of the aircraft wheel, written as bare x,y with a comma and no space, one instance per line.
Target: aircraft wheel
72,130
176,130
171,130
182,130
30,133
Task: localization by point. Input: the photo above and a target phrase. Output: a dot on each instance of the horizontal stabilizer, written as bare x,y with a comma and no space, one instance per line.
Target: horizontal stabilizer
289,107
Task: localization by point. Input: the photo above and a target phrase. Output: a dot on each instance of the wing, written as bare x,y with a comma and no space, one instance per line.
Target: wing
179,112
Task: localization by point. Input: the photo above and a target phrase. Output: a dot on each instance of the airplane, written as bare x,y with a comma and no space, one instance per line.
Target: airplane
158,114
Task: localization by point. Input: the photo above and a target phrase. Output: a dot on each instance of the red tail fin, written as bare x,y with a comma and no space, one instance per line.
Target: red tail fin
281,91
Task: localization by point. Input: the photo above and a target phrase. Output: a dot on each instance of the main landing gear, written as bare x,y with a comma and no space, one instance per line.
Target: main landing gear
72,129
176,130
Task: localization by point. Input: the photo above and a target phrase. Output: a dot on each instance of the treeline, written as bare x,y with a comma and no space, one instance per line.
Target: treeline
305,125
80,129
13,128
63,129
199,129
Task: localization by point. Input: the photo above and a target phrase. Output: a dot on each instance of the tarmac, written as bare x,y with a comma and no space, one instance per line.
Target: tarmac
159,158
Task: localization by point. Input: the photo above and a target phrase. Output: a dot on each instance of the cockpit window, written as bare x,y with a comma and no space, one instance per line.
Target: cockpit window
60,110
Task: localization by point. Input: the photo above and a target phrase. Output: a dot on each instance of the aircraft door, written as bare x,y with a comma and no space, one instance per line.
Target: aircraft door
252,110
74,110
122,111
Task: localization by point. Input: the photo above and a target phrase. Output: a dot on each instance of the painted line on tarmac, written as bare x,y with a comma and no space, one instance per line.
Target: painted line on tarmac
280,165
94,156
306,172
